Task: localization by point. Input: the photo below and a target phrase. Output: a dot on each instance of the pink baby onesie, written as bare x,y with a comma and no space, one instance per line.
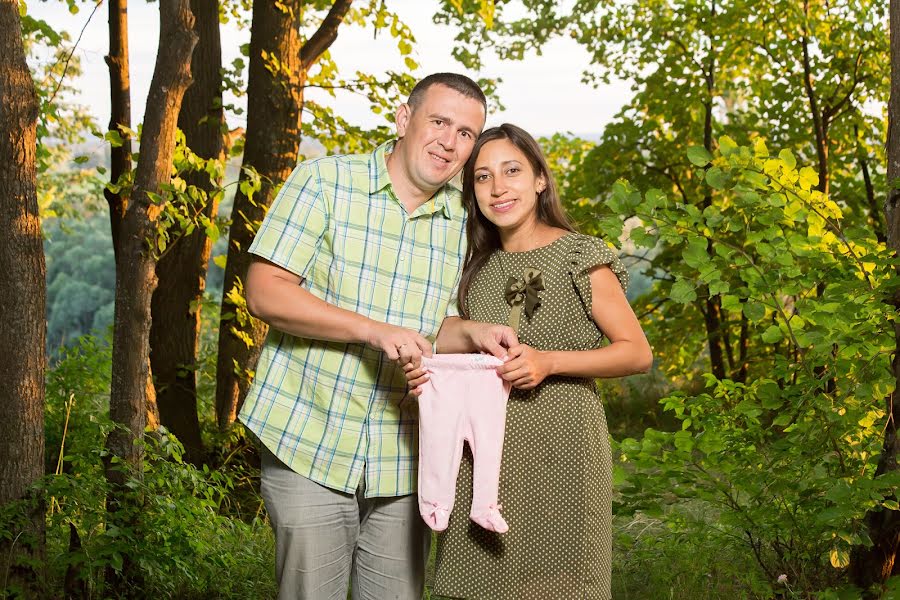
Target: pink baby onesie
464,399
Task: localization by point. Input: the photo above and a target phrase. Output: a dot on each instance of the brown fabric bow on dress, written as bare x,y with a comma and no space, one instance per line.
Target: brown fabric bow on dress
523,292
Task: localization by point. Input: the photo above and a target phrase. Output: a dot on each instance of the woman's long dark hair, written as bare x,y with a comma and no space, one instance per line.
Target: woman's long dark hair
482,235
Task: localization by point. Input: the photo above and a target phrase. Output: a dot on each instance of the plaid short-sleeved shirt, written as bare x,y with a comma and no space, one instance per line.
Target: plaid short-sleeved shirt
333,411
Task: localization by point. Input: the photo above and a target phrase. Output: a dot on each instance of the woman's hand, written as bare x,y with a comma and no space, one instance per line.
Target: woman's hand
525,367
416,375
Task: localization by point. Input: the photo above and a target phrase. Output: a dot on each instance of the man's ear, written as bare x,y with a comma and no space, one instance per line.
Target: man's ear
401,120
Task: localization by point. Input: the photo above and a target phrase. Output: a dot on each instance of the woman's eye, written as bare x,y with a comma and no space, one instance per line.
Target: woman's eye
481,177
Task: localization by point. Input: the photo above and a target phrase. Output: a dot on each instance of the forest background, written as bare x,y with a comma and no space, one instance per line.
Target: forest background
746,177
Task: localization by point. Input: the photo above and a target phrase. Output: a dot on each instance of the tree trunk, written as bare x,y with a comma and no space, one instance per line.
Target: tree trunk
175,328
120,104
712,315
871,202
23,327
135,268
820,124
873,566
274,104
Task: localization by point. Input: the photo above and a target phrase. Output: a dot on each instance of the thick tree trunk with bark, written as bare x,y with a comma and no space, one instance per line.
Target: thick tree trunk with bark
274,104
22,305
135,268
873,566
175,329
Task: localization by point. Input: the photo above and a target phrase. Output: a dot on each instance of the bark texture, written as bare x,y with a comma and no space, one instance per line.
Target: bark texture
274,105
22,306
871,567
120,113
175,329
135,266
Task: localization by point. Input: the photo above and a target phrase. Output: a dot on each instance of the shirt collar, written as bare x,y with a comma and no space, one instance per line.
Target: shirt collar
446,199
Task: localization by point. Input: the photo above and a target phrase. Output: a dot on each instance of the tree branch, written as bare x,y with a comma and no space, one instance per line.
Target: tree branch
325,35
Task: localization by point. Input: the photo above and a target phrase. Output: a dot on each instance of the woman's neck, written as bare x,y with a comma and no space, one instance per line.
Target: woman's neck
528,236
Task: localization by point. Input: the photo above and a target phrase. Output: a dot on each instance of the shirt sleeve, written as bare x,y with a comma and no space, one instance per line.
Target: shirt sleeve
292,231
452,308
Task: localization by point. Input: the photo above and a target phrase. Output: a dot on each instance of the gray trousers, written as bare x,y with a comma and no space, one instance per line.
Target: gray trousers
325,540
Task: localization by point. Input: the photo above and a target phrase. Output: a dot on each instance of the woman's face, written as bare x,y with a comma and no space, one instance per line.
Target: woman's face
506,187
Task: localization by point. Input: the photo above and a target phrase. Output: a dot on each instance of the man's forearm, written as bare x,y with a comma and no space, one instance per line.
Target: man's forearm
289,308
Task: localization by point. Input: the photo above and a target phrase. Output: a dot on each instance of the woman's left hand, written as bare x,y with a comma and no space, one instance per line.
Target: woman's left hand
416,375
525,367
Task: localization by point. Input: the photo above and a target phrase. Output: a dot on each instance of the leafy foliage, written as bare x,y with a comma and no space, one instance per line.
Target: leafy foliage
786,457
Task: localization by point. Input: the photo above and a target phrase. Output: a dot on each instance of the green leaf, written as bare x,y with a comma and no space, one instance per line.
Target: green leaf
727,145
759,148
770,395
695,253
772,335
115,140
782,420
683,292
808,178
719,287
731,303
840,558
754,311
220,260
699,156
788,158
717,178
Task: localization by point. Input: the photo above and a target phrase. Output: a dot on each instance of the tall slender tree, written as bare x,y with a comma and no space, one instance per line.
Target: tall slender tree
135,266
22,301
120,114
116,194
175,329
279,64
873,566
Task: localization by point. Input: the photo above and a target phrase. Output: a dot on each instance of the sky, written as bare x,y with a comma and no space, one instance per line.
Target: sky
543,94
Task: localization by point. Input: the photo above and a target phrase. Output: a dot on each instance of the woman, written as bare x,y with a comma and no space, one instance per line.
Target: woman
563,293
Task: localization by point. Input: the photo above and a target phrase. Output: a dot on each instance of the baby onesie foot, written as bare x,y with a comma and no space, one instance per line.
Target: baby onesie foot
435,516
491,519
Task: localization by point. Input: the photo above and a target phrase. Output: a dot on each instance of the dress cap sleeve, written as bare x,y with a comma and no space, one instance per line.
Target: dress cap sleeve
585,253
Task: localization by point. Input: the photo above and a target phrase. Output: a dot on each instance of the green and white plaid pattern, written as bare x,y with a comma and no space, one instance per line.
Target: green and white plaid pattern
333,411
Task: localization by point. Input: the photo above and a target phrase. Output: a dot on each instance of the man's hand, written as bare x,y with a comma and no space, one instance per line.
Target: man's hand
400,344
491,338
525,367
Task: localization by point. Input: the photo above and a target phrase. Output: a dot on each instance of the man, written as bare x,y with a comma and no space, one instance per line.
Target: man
355,268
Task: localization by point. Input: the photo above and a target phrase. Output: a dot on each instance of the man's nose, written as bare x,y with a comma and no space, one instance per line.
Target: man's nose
447,138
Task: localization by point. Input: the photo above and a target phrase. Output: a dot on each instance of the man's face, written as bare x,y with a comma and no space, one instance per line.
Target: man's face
438,135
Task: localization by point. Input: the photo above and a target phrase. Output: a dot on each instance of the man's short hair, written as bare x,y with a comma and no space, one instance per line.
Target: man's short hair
454,81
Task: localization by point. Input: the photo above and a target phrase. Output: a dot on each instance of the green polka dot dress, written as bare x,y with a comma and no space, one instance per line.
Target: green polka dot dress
556,476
